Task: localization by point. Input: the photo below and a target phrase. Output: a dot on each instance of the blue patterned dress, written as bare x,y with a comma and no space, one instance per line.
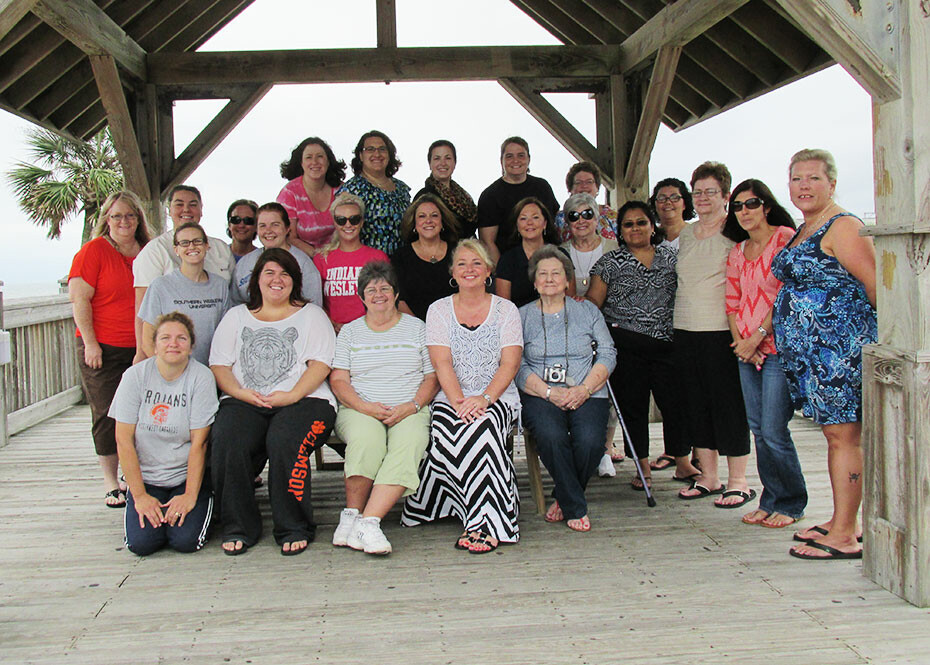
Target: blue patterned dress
383,212
822,318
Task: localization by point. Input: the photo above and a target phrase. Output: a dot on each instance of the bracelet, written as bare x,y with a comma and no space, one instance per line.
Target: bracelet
487,398
588,389
548,392
416,405
762,331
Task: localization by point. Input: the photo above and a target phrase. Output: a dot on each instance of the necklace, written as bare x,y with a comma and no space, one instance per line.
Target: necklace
584,271
805,234
434,257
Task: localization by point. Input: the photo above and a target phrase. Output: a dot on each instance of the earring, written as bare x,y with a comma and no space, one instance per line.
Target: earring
488,281
453,283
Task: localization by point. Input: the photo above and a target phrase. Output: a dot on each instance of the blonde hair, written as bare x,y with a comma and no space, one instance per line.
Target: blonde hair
342,199
476,246
815,155
102,228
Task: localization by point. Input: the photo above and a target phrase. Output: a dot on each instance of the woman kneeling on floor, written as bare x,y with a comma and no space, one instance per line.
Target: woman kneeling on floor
562,389
384,381
271,358
163,409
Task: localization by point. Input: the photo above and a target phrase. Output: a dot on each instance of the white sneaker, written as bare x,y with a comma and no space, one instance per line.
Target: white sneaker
368,537
605,468
347,521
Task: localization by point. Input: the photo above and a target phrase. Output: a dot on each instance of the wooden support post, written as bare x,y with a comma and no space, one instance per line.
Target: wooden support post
211,135
555,123
156,136
11,11
625,97
121,126
660,84
387,23
4,431
896,371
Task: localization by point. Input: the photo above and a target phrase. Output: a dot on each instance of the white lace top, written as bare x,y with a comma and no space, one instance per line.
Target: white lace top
476,354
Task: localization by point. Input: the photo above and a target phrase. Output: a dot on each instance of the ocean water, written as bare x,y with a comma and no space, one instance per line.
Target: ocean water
29,290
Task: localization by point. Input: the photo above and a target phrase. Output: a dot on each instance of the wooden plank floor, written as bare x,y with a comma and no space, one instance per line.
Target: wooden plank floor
683,582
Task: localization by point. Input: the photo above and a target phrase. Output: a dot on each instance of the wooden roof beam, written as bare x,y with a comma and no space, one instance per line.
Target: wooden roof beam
89,28
11,12
207,24
121,127
767,26
212,135
556,22
836,37
555,123
660,85
617,15
675,25
386,14
590,21
462,63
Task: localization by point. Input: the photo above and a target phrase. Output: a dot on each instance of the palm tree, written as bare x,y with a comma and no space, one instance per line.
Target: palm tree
65,177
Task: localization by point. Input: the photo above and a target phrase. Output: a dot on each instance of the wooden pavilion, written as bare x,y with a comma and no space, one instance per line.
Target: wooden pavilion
74,66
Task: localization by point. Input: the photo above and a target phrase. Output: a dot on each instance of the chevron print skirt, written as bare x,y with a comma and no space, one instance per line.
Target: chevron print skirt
468,474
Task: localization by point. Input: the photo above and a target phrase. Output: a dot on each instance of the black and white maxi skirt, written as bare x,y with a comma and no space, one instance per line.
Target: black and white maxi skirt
468,474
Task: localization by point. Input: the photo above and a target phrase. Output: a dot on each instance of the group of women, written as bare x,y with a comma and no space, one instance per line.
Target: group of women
440,346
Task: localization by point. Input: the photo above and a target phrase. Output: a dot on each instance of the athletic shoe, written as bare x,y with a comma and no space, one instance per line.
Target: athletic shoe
605,468
347,521
368,537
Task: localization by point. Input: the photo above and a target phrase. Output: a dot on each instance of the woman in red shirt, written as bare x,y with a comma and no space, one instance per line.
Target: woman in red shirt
761,227
101,292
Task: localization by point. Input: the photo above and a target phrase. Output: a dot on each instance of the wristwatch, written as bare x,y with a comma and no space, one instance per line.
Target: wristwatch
416,405
763,331
548,392
488,399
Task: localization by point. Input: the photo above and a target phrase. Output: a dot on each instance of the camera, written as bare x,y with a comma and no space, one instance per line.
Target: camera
554,374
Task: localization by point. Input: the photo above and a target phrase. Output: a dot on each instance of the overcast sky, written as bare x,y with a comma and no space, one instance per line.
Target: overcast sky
828,110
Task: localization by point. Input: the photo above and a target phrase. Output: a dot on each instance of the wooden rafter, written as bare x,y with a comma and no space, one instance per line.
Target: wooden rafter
387,23
847,47
660,84
90,29
556,22
675,25
555,123
211,136
121,127
11,12
465,63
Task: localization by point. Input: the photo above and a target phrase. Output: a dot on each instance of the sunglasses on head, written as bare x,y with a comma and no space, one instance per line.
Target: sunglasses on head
574,215
750,204
354,220
248,221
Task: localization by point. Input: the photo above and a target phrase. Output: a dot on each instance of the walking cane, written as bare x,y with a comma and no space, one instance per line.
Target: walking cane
650,500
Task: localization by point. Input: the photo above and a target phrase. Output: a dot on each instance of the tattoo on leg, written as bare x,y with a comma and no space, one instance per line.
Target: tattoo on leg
854,477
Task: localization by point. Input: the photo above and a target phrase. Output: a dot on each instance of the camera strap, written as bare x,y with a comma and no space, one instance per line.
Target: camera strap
542,319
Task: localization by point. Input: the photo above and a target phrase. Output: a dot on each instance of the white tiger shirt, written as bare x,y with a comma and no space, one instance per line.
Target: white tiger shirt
272,355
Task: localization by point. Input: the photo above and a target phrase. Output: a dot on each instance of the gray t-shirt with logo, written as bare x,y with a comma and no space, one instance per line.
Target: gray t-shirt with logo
205,302
164,413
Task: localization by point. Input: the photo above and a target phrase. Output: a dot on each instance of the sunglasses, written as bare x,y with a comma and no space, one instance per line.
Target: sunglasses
574,215
248,221
750,204
354,220
638,222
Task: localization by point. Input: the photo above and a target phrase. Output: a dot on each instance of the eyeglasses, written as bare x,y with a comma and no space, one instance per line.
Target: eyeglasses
638,222
674,198
750,204
585,182
248,221
129,217
354,220
196,242
698,193
381,290
573,215
370,149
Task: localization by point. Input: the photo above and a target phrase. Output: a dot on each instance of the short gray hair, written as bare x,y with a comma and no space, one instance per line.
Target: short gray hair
582,198
377,271
551,252
815,155
348,199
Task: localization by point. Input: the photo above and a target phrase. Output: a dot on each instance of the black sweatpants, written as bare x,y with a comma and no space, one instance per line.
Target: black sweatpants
243,437
644,365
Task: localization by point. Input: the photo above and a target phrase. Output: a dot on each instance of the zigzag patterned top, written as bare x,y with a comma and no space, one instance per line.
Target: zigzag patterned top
751,286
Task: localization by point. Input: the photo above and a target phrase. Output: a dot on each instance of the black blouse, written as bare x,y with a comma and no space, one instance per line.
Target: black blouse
421,282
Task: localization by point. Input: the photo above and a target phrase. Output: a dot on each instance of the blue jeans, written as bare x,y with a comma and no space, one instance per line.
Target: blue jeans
570,444
769,408
187,537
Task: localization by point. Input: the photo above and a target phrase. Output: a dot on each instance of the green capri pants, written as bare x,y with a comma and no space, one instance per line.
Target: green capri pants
387,455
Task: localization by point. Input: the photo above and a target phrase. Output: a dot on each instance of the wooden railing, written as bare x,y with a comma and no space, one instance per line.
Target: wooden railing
43,377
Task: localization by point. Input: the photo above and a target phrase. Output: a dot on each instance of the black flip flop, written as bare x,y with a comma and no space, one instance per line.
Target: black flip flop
662,462
235,552
458,543
703,491
832,551
818,529
116,494
686,479
292,551
745,496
